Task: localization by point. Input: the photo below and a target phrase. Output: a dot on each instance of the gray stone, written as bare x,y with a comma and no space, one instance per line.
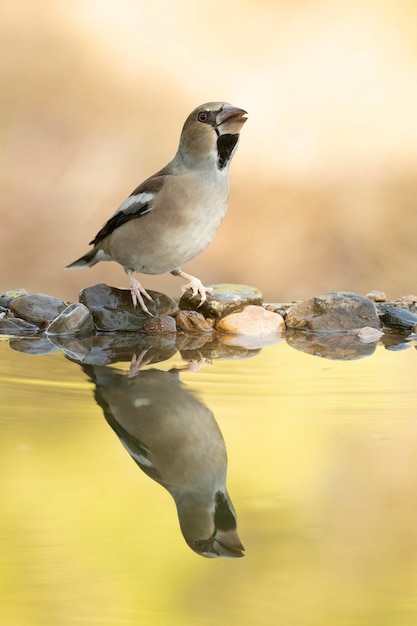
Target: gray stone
37,308
10,295
163,325
224,299
112,308
282,307
192,322
75,318
396,317
336,311
408,299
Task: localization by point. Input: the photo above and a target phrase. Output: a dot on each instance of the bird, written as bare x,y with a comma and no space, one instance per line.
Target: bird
174,215
174,438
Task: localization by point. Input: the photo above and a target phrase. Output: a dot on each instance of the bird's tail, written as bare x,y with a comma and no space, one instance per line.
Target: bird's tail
88,260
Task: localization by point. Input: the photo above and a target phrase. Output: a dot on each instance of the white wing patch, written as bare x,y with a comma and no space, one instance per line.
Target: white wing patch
132,202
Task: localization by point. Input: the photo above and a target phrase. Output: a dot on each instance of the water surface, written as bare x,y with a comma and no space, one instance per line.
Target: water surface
322,474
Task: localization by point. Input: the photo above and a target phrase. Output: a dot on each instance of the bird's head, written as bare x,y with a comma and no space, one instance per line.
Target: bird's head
211,133
209,526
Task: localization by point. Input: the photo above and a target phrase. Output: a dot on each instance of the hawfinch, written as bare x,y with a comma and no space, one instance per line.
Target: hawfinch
174,215
176,441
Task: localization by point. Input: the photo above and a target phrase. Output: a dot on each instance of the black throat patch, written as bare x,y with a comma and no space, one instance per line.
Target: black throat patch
225,146
223,515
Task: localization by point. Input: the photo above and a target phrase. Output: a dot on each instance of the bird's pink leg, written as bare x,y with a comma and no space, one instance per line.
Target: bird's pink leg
194,284
137,362
138,292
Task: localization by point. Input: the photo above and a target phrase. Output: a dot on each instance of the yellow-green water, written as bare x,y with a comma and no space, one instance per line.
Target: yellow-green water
322,473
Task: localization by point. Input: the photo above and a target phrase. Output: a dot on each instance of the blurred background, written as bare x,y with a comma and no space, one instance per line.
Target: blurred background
324,183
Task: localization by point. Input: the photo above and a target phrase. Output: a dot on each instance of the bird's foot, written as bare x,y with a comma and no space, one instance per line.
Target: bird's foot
195,365
138,362
138,293
194,284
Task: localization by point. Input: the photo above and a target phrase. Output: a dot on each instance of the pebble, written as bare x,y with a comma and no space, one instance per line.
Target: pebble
233,315
224,299
8,296
409,299
253,320
193,322
162,325
377,296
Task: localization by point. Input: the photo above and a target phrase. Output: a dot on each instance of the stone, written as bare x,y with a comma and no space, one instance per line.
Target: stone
224,299
253,320
17,326
335,311
396,317
37,308
282,308
75,318
10,295
193,322
409,298
165,324
112,308
376,296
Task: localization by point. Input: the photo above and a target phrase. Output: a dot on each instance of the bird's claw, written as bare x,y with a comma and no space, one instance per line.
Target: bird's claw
137,362
196,364
138,293
197,288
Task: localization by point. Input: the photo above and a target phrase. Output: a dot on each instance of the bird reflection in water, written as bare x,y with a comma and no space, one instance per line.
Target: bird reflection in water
176,441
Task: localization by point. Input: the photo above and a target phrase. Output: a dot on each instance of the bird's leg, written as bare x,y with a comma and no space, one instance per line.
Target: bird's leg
137,362
138,292
195,365
194,284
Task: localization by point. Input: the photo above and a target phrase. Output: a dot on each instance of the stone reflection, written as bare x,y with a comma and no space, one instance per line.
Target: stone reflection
334,346
176,441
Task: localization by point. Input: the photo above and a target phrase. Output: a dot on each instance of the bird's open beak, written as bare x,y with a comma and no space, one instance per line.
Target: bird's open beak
226,543
230,119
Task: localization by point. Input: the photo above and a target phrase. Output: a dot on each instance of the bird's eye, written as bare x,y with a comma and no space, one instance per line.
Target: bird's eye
202,116
200,545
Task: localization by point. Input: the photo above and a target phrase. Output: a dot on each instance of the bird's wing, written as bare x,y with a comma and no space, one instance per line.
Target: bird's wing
137,204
